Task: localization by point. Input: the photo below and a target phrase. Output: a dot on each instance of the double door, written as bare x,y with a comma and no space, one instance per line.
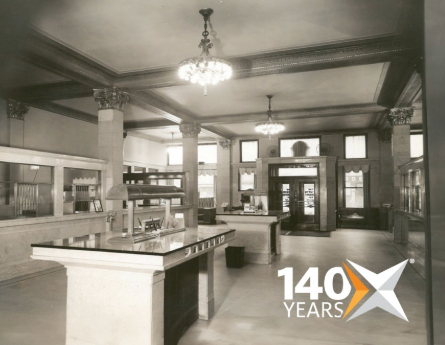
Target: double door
300,197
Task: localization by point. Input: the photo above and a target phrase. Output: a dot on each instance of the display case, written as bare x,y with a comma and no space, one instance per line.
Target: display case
413,187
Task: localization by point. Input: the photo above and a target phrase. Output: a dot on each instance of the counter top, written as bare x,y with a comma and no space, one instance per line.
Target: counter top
264,214
157,246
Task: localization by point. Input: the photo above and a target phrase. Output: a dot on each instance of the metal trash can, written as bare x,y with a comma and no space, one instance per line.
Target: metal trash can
235,257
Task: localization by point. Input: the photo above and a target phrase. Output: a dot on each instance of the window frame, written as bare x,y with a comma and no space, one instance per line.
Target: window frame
355,135
296,138
423,147
239,183
241,150
344,189
168,155
204,144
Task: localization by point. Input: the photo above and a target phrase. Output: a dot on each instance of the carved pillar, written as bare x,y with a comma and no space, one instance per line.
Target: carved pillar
190,133
224,177
111,103
400,119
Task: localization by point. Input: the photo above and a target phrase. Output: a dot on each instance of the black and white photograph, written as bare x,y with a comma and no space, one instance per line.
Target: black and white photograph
232,172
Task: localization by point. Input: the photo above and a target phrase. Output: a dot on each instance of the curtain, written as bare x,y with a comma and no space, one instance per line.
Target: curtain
247,171
357,168
204,172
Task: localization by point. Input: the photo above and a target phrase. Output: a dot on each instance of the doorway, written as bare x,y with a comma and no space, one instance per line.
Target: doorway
296,194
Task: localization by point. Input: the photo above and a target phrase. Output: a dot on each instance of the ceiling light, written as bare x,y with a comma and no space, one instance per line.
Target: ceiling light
269,127
205,69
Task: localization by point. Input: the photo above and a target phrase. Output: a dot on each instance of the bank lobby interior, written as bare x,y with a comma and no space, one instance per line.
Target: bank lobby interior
91,98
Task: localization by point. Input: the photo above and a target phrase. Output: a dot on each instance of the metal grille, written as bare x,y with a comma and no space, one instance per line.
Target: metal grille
81,198
26,199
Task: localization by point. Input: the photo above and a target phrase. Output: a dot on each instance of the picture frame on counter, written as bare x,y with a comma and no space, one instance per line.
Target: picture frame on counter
98,205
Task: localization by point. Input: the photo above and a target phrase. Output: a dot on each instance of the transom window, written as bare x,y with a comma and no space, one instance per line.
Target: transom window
300,147
249,150
416,145
355,146
206,154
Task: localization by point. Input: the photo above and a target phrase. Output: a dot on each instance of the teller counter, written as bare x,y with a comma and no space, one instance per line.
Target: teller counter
143,293
259,233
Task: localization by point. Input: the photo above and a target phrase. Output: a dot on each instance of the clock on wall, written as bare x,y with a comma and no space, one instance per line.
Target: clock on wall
324,149
272,151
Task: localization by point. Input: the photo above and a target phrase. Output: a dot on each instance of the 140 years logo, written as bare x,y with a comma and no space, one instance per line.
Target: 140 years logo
383,297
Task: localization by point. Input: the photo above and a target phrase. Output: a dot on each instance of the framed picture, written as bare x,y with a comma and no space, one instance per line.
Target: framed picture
98,205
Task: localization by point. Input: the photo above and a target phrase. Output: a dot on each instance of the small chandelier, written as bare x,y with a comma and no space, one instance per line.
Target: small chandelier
269,127
205,69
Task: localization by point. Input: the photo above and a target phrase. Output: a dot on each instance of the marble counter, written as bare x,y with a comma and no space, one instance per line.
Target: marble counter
112,285
258,233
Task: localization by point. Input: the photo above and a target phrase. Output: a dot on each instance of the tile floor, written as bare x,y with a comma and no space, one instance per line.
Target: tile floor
249,301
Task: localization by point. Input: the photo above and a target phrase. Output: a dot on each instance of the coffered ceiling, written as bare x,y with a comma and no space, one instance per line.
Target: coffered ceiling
330,64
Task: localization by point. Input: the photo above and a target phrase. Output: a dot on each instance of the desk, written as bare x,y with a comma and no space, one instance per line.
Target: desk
115,292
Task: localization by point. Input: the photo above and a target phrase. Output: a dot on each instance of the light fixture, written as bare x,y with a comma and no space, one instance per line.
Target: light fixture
269,127
205,69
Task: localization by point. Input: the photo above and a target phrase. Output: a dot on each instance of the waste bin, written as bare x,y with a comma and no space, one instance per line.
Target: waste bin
234,257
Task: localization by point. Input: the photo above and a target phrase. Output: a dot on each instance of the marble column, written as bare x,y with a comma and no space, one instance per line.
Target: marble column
111,103
386,191
190,133
400,119
223,178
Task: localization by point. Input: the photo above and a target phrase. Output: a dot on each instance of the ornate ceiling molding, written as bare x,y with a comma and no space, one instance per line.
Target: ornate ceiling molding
111,98
16,110
400,116
190,130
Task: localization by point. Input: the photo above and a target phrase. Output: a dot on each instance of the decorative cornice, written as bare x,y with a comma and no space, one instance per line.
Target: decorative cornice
384,135
400,116
16,110
225,144
190,130
111,98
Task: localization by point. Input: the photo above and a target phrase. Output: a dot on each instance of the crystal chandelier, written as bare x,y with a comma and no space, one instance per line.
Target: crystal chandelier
205,69
269,127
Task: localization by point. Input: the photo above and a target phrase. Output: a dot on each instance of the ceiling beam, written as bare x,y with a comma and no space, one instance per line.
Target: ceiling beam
50,55
294,114
148,124
49,92
65,111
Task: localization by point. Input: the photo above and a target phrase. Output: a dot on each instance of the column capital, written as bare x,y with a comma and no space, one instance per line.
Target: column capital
384,135
400,116
111,98
190,130
225,144
16,110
